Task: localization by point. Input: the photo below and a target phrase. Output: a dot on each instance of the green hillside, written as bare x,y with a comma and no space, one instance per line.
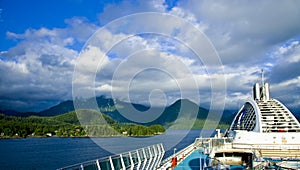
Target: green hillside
61,120
85,123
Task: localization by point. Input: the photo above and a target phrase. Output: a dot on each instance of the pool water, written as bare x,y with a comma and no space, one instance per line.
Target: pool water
193,161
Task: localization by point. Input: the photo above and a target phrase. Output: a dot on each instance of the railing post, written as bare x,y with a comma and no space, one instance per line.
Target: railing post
155,156
160,152
111,164
145,160
131,161
150,158
139,159
122,162
98,165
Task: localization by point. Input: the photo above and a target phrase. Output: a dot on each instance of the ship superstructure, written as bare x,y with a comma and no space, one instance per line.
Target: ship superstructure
264,114
266,125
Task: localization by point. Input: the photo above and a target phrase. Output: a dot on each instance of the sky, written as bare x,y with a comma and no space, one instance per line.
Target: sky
150,52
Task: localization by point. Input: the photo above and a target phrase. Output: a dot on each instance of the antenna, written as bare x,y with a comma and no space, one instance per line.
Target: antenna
262,77
265,88
263,91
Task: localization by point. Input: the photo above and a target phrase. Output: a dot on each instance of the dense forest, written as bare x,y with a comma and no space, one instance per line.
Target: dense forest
84,123
61,120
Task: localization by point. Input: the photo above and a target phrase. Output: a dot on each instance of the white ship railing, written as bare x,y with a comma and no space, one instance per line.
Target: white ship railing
180,155
267,147
227,142
144,158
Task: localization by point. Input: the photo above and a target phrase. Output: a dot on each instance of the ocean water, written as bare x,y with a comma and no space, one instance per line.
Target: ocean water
53,153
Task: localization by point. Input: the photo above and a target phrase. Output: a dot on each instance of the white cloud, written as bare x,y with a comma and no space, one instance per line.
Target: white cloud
286,62
148,70
104,88
43,61
91,59
38,70
239,33
287,95
287,48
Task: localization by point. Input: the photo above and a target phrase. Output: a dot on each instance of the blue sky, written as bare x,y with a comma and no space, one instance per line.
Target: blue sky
17,16
43,42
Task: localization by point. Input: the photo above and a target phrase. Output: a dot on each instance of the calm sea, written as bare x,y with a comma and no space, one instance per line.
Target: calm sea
53,153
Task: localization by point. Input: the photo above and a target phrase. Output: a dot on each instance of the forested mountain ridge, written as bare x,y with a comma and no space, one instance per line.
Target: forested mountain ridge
183,110
120,111
83,123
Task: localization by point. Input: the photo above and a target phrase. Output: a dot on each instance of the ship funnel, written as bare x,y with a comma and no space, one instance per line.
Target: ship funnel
267,91
261,93
256,92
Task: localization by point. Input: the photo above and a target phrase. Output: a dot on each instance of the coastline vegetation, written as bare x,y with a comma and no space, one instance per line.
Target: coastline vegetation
85,123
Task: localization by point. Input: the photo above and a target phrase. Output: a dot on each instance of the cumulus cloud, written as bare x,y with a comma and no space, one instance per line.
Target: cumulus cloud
133,58
285,74
250,36
39,69
135,75
245,30
287,60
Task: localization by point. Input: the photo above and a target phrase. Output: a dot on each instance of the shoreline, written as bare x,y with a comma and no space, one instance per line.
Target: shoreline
106,136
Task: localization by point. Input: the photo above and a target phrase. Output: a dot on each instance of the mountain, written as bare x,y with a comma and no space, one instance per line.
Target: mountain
137,113
10,112
63,107
16,113
183,111
185,114
182,108
107,106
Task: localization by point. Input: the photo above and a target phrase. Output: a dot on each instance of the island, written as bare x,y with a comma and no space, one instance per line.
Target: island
83,123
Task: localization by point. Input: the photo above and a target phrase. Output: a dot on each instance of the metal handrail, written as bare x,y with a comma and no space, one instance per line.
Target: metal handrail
157,154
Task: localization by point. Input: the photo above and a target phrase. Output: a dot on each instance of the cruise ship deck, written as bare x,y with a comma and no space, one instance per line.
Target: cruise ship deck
199,156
